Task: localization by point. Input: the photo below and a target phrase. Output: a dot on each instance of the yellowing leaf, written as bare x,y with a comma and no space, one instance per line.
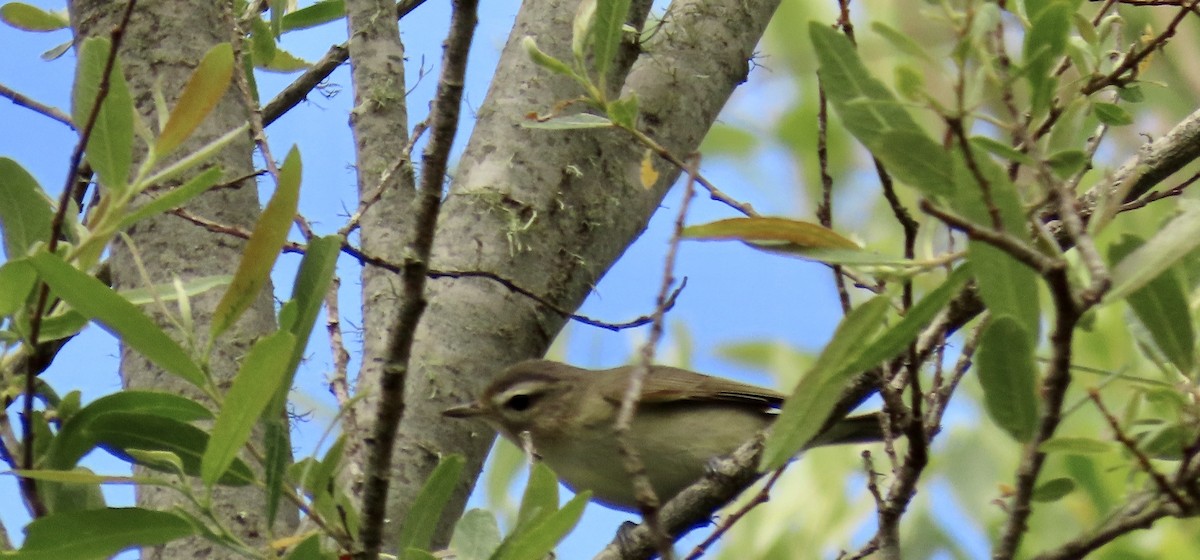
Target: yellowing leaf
648,175
263,247
202,92
772,233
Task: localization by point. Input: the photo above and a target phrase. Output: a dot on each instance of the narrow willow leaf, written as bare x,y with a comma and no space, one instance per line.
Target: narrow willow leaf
31,18
173,291
309,290
915,159
624,111
263,370
101,533
1162,306
1173,241
538,538
175,197
75,439
116,315
902,41
570,122
77,495
541,58
202,92
581,29
813,399
110,146
1075,446
285,62
1044,43
606,35
541,494
893,341
1008,374
427,507
1053,490
16,282
801,234
310,549
25,212
311,16
1112,114
122,433
263,247
277,455
476,536
1000,149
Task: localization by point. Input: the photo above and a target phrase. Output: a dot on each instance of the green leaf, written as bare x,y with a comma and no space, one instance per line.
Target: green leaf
122,433
893,341
606,35
1162,306
60,326
285,62
537,538
541,58
1112,114
847,79
1067,162
74,439
310,549
902,41
168,292
31,18
25,212
581,29
1053,490
570,122
116,315
203,91
277,455
101,533
309,290
541,494
1000,149
813,399
1172,242
16,282
263,371
1006,285
476,536
1044,43
263,247
174,198
624,111
110,146
772,234
314,15
1008,374
912,157
78,495
1075,446
262,42
427,507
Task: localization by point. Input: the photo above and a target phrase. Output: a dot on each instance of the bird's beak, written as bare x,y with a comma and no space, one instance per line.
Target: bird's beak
469,410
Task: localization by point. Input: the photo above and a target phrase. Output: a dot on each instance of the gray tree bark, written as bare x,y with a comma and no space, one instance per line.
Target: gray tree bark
550,211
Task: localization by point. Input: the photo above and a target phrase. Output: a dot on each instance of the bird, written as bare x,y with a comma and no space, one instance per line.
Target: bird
684,420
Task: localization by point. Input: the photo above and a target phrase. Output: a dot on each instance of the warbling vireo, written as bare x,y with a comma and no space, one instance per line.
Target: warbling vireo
684,420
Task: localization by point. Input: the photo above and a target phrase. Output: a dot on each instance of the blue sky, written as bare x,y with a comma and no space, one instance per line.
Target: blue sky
733,294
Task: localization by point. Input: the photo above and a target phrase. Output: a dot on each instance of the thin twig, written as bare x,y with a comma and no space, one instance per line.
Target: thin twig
648,501
1160,480
28,485
36,106
443,124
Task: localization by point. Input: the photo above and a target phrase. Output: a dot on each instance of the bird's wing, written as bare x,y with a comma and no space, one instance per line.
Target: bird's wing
666,384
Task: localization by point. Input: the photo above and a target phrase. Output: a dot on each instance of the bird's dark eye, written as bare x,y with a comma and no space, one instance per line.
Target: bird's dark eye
519,403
